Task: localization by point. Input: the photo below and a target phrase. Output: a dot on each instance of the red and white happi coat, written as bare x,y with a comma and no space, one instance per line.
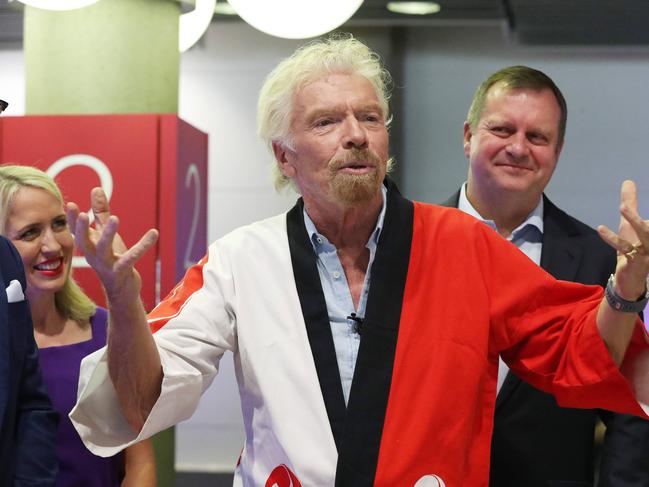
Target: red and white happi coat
447,296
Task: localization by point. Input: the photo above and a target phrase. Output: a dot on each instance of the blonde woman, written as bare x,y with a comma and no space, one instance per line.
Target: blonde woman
67,324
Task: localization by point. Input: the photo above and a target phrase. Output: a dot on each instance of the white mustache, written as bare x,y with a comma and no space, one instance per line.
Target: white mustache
355,156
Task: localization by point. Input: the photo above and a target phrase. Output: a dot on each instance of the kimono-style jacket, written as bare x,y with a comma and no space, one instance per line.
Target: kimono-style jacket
447,295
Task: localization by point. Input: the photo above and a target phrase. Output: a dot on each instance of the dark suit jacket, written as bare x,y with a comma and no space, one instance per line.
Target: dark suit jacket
537,443
27,420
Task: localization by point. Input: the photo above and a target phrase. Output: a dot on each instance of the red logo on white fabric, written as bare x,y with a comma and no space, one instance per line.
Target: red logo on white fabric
430,481
282,476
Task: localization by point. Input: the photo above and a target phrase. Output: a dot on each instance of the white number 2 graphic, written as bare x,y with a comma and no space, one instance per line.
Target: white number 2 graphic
193,175
105,181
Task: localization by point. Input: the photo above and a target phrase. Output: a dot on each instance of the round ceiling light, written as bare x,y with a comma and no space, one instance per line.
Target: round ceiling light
58,4
414,8
192,25
295,19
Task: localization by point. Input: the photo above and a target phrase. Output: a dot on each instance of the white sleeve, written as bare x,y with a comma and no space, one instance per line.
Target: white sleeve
195,325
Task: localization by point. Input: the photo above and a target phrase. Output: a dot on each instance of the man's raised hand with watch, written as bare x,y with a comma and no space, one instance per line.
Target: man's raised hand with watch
626,292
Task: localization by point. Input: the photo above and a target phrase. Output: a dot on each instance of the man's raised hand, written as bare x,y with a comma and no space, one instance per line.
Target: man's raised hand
105,250
632,245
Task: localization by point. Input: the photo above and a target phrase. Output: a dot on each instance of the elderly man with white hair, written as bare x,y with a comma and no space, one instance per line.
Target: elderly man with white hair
365,328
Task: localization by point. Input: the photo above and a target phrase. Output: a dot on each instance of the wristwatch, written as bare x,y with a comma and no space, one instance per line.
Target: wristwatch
618,303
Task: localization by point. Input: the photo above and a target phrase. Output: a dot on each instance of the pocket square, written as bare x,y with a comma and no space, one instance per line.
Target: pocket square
15,292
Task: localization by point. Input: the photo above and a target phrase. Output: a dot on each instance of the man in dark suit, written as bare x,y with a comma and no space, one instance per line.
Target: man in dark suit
513,138
27,420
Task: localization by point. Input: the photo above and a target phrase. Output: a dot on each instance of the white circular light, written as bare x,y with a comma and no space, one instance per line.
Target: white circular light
58,4
295,19
414,8
192,25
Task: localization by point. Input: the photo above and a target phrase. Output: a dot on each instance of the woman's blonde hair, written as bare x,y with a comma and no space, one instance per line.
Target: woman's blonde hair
70,300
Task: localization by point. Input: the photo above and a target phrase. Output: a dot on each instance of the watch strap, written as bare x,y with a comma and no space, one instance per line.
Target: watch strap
618,303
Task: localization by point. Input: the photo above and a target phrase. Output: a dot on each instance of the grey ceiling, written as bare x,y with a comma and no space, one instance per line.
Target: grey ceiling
540,22
11,23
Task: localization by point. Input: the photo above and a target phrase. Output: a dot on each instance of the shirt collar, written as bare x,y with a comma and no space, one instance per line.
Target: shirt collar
317,238
535,218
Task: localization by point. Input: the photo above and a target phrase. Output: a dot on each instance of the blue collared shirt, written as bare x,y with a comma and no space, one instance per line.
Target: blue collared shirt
338,297
528,237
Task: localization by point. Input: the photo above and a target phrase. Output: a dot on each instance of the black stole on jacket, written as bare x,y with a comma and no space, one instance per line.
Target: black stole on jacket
357,429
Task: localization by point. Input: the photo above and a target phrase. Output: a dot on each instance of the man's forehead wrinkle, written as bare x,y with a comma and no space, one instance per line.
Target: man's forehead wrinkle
341,107
505,114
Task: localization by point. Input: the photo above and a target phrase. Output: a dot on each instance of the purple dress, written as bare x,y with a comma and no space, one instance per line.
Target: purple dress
60,366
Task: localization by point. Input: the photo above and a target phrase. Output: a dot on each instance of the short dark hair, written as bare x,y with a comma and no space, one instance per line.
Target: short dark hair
514,78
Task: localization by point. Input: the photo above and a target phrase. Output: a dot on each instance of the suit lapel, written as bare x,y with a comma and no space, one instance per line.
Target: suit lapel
561,255
509,386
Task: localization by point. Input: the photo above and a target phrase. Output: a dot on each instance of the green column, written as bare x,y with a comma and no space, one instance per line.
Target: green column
115,56
164,444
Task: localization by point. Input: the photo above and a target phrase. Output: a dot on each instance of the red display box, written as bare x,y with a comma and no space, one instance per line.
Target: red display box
154,169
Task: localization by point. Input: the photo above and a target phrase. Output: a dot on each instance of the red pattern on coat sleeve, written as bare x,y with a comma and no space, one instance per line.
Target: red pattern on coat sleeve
171,305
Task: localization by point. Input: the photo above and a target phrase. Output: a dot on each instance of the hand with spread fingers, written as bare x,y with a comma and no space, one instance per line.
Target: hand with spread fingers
632,245
137,382
105,250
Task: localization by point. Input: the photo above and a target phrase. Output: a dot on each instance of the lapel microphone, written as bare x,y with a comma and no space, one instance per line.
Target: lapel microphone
358,323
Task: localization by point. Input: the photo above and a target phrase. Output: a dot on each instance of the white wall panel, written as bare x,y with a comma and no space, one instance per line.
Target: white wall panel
12,81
